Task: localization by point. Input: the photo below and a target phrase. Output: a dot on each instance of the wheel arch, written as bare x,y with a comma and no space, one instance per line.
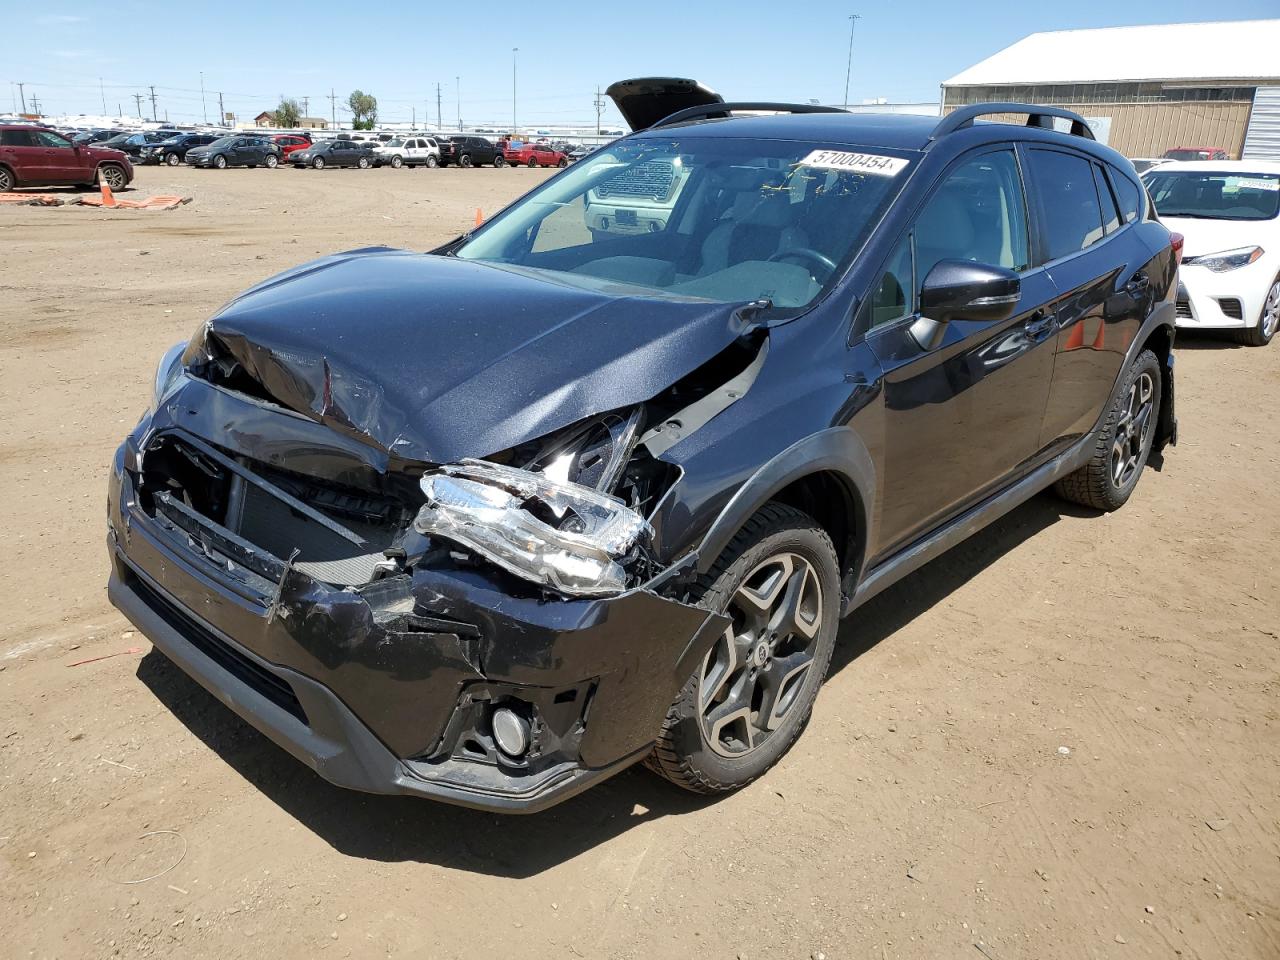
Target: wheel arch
828,475
1158,335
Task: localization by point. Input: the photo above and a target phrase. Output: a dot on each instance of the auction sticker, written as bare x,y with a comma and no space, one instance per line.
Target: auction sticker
1257,183
855,162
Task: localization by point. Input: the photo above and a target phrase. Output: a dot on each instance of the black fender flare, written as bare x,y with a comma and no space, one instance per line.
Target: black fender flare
1164,315
836,450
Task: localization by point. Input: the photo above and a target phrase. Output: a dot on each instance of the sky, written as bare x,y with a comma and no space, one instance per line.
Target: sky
253,53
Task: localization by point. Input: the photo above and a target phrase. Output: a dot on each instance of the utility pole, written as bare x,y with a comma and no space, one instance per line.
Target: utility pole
222,113
333,107
457,83
848,70
306,105
599,105
514,52
154,115
138,99
103,91
439,122
23,95
204,110
413,124
35,104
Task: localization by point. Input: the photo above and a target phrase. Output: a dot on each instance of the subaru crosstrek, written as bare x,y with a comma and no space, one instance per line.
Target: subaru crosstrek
491,523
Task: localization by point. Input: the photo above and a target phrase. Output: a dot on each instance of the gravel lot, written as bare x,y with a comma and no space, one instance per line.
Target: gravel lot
928,811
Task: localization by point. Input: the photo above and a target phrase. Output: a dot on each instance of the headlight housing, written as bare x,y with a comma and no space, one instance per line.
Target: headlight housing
557,533
167,374
1226,260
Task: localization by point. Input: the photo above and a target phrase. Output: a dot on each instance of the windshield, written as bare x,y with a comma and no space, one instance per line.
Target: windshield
715,218
223,142
1214,196
394,143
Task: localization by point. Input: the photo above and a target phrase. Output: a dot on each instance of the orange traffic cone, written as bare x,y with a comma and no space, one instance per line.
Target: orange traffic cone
479,217
1075,339
107,199
1101,337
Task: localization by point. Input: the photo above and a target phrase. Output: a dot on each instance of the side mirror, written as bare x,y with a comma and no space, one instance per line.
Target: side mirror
963,290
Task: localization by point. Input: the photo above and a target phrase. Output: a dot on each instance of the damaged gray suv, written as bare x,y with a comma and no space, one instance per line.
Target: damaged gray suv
595,483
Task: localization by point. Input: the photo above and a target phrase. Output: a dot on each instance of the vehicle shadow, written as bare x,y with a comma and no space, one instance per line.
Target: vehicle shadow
406,829
1203,340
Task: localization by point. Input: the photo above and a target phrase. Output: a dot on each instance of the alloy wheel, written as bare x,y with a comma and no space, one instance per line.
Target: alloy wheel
1271,312
113,177
1133,430
753,675
6,180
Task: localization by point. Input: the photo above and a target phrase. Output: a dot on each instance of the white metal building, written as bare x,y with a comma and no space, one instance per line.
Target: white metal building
1146,89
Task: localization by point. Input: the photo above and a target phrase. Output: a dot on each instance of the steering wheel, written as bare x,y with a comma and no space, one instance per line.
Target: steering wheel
809,255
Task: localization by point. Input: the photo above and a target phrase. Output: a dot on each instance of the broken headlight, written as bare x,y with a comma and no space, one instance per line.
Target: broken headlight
554,532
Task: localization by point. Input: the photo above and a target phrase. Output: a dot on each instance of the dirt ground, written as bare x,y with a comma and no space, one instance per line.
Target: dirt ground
928,811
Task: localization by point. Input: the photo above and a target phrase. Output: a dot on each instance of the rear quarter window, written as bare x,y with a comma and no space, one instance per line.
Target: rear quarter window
1127,195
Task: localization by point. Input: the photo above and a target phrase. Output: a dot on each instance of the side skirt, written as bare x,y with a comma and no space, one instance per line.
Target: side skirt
888,572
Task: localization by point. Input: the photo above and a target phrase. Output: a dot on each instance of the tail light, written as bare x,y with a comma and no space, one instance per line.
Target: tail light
1175,241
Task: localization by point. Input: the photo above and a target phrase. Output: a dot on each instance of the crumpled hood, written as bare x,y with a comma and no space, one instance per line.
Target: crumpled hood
434,359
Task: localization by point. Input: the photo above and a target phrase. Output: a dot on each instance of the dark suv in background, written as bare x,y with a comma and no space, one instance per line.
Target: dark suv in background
174,150
492,523
469,152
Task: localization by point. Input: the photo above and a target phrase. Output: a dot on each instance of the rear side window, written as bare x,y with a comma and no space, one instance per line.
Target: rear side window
1127,196
1073,218
16,138
1110,213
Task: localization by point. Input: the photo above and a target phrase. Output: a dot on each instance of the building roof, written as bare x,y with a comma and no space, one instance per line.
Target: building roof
1243,50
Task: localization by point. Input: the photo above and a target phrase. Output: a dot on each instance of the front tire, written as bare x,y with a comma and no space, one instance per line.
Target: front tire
432,161
220,162
113,176
1261,333
317,163
396,162
172,159
749,699
1124,443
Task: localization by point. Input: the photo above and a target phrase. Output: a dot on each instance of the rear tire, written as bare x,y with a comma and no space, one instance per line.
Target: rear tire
533,162
499,161
1262,332
1124,442
749,700
363,163
464,160
271,161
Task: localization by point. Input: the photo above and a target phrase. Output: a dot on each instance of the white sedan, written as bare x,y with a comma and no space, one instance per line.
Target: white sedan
1229,213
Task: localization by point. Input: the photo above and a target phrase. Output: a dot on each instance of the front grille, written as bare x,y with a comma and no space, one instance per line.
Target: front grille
1231,307
651,180
249,671
1183,309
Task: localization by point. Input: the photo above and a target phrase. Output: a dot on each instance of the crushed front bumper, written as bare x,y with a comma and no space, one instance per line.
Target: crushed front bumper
380,689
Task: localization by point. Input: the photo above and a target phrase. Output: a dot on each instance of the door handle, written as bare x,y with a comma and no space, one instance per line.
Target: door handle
1038,324
1137,284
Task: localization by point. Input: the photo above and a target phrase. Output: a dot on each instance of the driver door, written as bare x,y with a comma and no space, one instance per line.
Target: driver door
961,419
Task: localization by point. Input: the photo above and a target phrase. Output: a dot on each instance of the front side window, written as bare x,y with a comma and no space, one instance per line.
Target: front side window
893,295
47,138
1073,217
1214,196
715,218
977,213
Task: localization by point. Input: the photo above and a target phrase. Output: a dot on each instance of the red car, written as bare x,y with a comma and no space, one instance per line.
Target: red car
38,157
289,142
533,155
1196,153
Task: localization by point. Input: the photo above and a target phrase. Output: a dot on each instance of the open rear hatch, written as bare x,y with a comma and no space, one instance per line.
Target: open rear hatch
646,100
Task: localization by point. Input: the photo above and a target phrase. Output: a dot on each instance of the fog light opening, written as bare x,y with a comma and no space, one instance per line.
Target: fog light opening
510,732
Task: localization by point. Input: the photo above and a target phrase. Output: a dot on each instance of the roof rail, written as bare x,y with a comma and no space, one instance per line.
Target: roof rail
1037,116
719,110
